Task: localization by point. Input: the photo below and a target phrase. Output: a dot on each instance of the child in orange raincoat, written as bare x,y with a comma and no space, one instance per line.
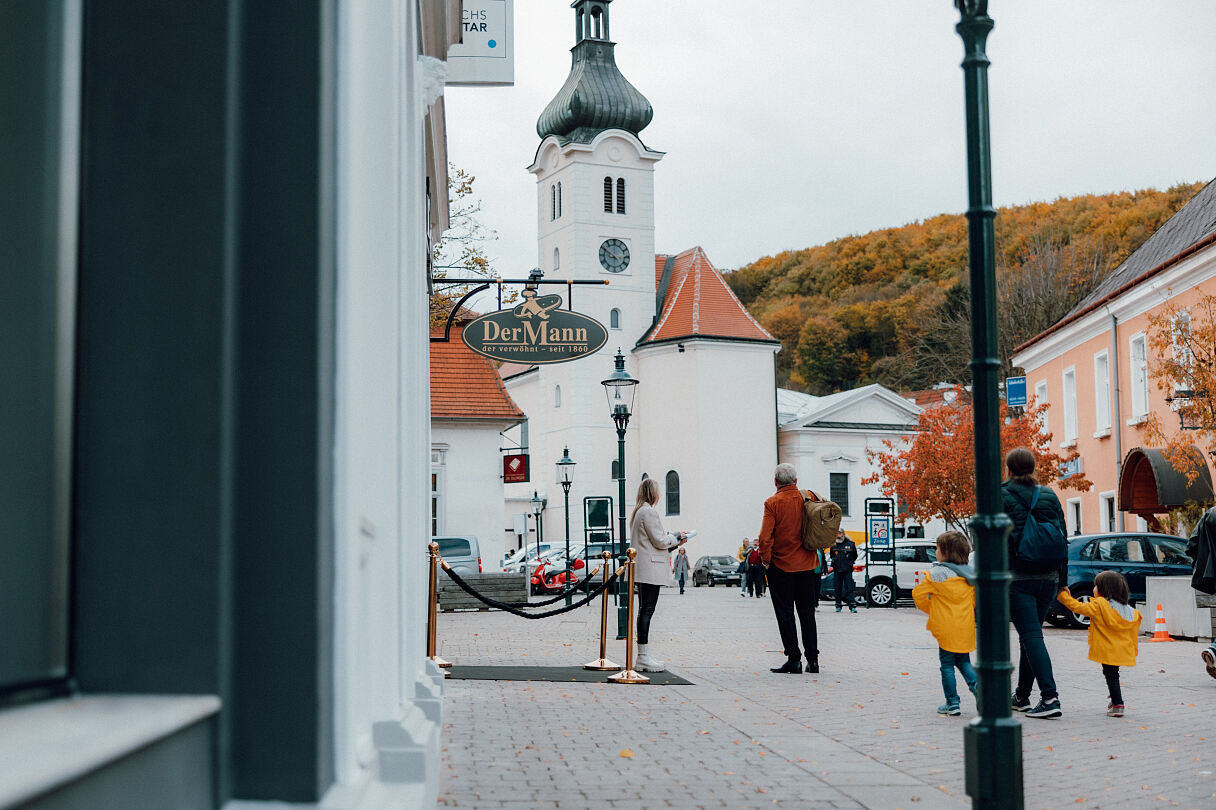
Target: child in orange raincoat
1114,627
949,599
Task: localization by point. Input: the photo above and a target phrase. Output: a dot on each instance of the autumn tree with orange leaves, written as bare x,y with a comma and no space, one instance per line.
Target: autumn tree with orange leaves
933,474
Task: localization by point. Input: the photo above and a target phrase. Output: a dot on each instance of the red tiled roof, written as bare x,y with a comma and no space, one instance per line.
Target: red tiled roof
699,303
465,385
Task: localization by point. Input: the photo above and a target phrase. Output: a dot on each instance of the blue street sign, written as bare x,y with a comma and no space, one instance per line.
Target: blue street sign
1015,392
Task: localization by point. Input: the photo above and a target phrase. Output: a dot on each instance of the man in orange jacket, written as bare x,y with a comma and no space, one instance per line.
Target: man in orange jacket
793,572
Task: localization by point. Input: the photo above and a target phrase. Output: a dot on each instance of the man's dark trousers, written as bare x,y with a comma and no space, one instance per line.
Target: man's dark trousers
790,592
843,582
755,575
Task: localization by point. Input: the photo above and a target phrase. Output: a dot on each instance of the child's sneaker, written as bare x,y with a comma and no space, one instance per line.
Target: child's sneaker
1114,710
1209,661
949,709
1019,704
1046,708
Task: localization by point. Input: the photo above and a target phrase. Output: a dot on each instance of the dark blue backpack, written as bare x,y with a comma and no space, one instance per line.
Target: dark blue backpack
1042,546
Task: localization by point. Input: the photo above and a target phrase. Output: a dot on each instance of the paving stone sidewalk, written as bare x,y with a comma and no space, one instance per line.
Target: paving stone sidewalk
862,734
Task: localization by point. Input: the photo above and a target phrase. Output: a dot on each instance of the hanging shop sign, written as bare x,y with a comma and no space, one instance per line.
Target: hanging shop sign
515,468
485,54
536,331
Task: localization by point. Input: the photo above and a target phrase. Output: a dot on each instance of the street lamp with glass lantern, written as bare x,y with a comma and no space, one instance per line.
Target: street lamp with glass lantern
565,477
620,389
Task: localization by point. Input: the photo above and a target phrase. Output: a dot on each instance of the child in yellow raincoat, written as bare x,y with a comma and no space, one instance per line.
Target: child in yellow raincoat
1114,627
949,599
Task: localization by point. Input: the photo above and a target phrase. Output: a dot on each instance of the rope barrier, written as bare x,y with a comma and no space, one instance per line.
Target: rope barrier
516,611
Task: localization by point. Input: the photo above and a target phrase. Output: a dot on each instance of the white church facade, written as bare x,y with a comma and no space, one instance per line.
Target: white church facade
703,419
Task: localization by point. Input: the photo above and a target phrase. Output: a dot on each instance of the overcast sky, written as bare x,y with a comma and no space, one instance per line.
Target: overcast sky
789,124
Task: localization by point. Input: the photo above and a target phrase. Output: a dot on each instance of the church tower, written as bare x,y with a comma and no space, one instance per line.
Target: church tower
595,220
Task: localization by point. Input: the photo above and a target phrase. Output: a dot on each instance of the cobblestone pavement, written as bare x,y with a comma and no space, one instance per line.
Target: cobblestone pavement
863,733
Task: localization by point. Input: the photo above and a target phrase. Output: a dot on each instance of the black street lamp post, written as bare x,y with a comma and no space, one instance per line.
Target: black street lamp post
620,389
993,741
538,508
565,477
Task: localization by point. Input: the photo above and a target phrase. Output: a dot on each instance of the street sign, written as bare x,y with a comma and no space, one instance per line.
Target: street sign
515,468
1015,392
878,531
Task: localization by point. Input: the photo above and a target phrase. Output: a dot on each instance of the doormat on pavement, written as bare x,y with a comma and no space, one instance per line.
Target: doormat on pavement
561,674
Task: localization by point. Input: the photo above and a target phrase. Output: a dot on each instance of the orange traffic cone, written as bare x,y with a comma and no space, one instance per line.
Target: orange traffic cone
1159,633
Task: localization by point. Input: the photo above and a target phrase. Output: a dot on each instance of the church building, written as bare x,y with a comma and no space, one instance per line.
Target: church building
704,415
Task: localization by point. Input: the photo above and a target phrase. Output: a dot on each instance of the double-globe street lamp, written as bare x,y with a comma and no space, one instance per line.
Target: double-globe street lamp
620,389
565,477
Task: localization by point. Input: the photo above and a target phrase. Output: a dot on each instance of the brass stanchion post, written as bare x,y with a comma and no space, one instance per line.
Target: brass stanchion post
433,613
602,662
627,675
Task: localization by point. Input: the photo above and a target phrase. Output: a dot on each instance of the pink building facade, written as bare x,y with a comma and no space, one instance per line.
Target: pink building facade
1093,366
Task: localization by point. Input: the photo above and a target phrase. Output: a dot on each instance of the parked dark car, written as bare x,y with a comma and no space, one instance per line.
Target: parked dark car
713,571
1135,555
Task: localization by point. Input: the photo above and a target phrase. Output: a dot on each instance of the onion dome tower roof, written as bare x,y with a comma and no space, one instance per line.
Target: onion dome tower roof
595,97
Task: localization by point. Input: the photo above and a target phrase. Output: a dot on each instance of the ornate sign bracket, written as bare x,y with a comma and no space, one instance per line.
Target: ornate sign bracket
534,279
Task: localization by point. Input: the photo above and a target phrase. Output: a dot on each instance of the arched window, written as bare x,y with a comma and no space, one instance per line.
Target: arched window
614,319
616,472
557,396
559,201
552,202
597,21
557,259
608,195
673,492
620,195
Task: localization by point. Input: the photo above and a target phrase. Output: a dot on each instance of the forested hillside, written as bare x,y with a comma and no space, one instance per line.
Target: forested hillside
892,306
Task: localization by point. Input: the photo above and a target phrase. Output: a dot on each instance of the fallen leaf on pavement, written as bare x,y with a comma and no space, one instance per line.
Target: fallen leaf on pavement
627,753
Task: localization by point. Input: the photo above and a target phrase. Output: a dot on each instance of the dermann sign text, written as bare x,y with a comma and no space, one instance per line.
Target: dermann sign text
536,331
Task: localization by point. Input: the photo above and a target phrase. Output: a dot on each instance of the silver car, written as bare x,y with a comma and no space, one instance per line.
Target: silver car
461,552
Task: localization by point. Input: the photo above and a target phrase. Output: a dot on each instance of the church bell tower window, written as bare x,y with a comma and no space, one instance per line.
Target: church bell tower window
620,195
607,195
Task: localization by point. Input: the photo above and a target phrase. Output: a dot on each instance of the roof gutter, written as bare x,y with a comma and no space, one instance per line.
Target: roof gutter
1207,241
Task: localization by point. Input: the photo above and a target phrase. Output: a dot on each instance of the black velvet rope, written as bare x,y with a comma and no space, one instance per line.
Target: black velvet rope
516,611
578,586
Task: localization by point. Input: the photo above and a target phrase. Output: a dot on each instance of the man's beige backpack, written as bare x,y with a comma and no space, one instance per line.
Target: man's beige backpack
820,521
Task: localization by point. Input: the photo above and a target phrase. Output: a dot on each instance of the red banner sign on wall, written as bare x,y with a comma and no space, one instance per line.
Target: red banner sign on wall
515,468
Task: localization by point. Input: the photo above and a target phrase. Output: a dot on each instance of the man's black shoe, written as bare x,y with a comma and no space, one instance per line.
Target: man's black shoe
812,667
791,667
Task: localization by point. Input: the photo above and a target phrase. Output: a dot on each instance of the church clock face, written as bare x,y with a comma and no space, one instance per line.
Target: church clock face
614,255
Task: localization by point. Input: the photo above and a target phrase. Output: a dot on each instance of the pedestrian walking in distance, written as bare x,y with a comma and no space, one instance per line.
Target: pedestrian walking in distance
652,565
741,556
793,572
949,599
1114,628
1034,584
680,568
844,554
755,571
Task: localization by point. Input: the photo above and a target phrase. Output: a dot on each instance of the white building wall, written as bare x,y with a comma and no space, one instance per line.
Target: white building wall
382,678
724,448
816,453
471,485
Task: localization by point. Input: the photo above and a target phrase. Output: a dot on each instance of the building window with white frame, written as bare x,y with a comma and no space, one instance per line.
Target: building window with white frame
557,259
557,396
1101,394
1070,407
1138,360
1106,511
673,492
607,195
1040,396
559,200
620,195
614,319
838,490
552,201
1074,515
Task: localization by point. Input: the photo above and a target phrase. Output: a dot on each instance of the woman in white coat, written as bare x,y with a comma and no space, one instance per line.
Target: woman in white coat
652,566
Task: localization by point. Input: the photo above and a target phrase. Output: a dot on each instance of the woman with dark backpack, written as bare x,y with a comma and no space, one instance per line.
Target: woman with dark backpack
1038,553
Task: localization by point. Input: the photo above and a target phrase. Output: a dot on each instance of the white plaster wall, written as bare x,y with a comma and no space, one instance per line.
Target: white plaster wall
709,413
472,497
817,452
382,408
